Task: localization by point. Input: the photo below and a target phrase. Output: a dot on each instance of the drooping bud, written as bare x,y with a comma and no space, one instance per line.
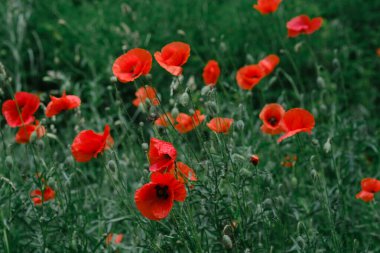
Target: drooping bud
254,159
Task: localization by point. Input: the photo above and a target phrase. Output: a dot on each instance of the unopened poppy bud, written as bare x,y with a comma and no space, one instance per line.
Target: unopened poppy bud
69,162
111,165
336,63
294,181
254,159
184,99
321,82
205,90
240,125
327,146
247,251
315,142
9,162
191,84
314,173
171,101
145,146
191,111
141,124
227,242
228,230
250,58
175,112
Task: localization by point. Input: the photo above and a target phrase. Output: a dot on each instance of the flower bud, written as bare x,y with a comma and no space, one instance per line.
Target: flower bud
184,99
240,125
145,146
9,162
227,242
254,159
175,112
112,166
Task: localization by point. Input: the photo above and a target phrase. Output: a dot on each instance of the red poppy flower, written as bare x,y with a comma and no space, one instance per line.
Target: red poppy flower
186,123
38,197
164,120
303,25
211,73
249,76
183,172
267,6
162,155
88,144
173,56
295,121
220,125
272,115
57,105
369,186
24,132
144,93
269,63
289,161
132,65
255,159
378,52
155,199
116,239
20,111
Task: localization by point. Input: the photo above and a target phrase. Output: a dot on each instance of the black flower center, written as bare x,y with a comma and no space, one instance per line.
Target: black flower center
272,121
162,192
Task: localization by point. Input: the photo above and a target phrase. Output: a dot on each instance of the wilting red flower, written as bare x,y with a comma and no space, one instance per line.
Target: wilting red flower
254,159
183,172
220,125
162,155
272,115
88,144
117,238
269,63
186,123
57,105
164,120
39,197
211,73
132,65
289,161
267,6
155,199
24,132
295,121
20,111
369,186
173,56
303,25
144,93
249,76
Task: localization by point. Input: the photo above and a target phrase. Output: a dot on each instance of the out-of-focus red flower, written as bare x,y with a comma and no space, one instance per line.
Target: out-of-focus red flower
24,132
303,25
220,125
295,121
272,115
267,6
269,63
173,56
20,111
249,76
88,144
57,105
183,172
211,73
369,186
39,197
378,52
164,120
162,155
132,65
116,239
144,93
155,199
186,123
254,159
289,161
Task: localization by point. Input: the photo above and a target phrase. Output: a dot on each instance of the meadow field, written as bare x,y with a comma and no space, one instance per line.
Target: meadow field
190,126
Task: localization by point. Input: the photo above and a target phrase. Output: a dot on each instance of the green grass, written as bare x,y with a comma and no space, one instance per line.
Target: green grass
50,46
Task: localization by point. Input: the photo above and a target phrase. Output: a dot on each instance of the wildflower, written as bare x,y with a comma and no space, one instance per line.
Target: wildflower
116,239
186,123
20,111
303,25
211,73
173,56
378,52
132,65
162,155
267,6
39,197
249,76
295,121
269,63
164,120
24,133
155,199
144,93
369,187
57,105
183,172
254,159
272,115
88,144
289,161
220,125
